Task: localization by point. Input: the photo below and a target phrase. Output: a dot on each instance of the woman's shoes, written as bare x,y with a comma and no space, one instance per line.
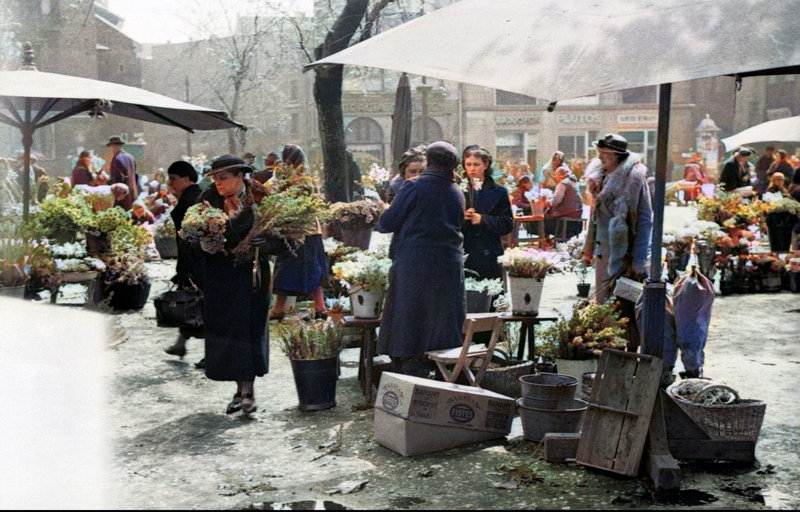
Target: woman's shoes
178,348
235,405
248,404
276,316
321,315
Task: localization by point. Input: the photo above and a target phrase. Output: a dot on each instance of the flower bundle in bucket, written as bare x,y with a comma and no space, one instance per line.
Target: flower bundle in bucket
356,220
205,224
366,276
584,335
526,270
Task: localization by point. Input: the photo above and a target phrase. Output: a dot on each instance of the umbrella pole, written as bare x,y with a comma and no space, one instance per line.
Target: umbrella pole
27,142
655,290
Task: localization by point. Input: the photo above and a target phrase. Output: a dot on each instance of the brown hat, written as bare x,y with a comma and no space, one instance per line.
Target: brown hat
115,140
612,142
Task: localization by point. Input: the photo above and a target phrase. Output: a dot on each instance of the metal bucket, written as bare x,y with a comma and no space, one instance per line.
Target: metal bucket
549,391
538,422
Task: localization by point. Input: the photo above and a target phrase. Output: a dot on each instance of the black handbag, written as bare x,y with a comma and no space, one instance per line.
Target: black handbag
182,307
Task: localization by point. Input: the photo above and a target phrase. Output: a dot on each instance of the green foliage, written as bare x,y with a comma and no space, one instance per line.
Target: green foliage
61,214
590,329
310,339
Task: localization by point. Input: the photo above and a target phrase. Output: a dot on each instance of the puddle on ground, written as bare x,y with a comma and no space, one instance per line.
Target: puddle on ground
684,497
298,505
752,493
405,502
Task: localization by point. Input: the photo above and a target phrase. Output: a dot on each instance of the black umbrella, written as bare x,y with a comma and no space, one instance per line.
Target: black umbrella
401,121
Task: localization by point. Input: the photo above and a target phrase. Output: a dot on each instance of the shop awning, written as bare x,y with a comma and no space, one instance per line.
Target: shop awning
779,130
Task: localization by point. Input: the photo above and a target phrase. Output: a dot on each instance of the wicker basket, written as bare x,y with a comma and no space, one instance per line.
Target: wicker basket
505,380
736,422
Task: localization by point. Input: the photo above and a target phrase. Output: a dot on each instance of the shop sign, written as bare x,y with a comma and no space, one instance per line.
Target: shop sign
517,120
578,118
640,119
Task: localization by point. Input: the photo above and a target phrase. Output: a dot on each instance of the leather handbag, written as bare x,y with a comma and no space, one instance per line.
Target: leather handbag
182,307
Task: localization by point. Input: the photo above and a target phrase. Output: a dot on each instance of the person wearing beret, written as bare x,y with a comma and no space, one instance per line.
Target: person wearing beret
425,307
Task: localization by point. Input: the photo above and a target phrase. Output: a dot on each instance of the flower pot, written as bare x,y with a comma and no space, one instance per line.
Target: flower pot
526,294
576,367
125,296
478,302
97,245
771,283
167,247
357,237
505,380
367,303
17,292
794,282
537,422
779,230
583,289
315,381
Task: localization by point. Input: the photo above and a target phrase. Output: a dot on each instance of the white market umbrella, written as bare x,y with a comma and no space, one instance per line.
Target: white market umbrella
32,99
563,49
778,130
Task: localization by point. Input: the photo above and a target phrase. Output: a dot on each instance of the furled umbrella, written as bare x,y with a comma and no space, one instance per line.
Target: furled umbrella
32,99
401,121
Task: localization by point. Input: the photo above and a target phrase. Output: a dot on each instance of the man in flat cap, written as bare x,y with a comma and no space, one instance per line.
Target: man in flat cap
122,169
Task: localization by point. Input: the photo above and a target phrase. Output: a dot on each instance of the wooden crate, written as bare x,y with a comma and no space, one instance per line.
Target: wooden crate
620,408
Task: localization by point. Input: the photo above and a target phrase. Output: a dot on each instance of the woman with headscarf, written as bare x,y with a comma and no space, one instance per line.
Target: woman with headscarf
487,217
411,165
303,272
235,289
425,307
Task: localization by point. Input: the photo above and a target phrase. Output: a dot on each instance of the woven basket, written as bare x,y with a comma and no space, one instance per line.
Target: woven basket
737,422
505,380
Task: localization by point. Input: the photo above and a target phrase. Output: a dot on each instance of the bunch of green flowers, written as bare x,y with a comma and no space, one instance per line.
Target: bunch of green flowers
590,329
363,271
315,339
106,221
61,214
205,224
165,228
130,239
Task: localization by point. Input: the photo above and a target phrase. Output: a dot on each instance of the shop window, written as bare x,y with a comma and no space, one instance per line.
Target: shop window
510,149
642,142
573,146
512,98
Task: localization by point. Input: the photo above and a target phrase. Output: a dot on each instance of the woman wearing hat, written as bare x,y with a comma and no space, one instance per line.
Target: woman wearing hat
425,306
236,290
303,272
488,215
621,222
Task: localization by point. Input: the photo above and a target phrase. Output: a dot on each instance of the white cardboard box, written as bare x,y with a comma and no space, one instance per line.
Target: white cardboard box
440,403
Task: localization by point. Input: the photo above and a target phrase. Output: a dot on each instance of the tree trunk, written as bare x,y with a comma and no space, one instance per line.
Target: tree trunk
328,97
233,142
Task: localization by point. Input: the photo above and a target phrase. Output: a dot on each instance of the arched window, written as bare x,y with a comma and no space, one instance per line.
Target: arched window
363,130
425,130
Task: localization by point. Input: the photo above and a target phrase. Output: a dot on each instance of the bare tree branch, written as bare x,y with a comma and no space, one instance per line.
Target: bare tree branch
301,38
371,18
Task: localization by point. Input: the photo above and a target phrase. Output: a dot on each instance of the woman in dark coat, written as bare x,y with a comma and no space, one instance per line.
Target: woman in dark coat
303,272
488,216
236,297
425,306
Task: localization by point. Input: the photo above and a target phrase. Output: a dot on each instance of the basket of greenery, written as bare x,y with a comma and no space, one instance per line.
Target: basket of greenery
313,347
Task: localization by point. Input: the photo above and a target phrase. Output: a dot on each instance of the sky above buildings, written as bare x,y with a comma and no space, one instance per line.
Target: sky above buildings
161,21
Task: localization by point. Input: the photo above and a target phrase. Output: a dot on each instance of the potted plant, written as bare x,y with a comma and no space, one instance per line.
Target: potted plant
14,258
126,278
313,347
479,293
781,217
61,218
527,269
576,342
164,236
582,271
99,228
366,276
356,220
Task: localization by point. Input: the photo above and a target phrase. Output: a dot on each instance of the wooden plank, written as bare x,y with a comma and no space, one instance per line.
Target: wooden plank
658,462
712,449
621,405
560,447
678,424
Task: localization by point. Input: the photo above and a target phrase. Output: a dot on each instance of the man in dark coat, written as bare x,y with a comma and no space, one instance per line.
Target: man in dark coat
122,169
425,307
182,180
736,172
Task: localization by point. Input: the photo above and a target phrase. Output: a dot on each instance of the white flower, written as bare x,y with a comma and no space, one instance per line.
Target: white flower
771,197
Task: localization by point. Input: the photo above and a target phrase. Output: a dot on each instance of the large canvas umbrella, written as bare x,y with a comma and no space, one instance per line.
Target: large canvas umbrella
562,49
401,121
33,99
778,130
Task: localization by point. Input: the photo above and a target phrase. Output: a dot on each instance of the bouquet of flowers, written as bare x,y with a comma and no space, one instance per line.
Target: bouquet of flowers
79,264
205,224
590,329
777,204
308,340
291,181
130,239
287,217
357,215
363,271
376,177
61,215
68,250
106,221
491,287
525,262
165,228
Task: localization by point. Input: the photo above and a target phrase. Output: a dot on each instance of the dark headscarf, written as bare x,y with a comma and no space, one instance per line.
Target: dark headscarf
442,159
293,155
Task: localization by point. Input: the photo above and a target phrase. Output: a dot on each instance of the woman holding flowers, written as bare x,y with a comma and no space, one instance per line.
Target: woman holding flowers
425,305
487,217
236,290
301,273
